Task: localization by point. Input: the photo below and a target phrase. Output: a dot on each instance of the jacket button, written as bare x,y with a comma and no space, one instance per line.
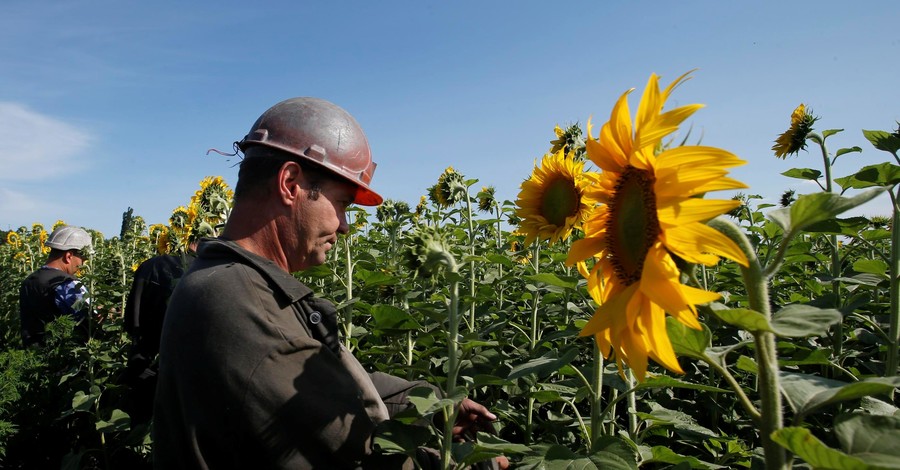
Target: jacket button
315,317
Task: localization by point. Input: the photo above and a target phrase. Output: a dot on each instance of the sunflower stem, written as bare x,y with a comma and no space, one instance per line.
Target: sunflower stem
756,283
471,263
347,316
894,331
537,298
450,411
597,396
837,341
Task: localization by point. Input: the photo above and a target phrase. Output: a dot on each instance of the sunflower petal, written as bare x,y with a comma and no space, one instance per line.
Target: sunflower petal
673,212
688,240
607,312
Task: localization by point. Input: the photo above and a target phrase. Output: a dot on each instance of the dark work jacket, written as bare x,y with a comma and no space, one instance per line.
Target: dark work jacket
154,281
252,374
36,302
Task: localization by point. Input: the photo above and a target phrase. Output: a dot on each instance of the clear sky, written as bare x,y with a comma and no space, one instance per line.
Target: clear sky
110,104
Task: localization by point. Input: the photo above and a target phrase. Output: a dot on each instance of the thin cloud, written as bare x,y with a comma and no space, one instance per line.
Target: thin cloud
36,147
20,207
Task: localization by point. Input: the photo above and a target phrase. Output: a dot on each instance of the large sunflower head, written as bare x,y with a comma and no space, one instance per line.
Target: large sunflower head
553,200
651,213
793,140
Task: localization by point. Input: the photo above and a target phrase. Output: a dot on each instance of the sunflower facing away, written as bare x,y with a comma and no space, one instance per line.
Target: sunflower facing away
552,201
650,211
793,140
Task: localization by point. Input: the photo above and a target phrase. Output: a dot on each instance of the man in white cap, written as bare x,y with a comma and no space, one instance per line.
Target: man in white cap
53,290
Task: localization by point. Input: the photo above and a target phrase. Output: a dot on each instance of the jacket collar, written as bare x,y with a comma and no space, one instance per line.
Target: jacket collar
212,248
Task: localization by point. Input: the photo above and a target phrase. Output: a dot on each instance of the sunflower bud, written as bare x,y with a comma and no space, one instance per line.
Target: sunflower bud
793,140
429,252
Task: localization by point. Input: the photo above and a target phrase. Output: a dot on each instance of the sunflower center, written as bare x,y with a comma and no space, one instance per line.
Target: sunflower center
560,201
632,226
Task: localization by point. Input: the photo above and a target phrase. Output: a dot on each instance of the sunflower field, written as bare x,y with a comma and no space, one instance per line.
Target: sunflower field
621,313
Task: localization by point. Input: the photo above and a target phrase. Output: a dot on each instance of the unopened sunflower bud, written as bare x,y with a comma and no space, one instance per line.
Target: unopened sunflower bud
429,252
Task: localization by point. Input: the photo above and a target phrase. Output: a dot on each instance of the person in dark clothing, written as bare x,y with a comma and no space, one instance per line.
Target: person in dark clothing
252,372
53,290
145,309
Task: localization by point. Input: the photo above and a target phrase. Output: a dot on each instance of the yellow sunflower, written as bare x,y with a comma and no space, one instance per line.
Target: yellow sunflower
12,238
793,140
553,201
650,211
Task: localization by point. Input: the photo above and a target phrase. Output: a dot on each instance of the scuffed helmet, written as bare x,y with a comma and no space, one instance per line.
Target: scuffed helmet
321,132
69,238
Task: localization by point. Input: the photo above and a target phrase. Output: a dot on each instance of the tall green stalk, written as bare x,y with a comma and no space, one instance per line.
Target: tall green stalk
837,343
756,283
450,411
347,317
597,396
471,263
891,363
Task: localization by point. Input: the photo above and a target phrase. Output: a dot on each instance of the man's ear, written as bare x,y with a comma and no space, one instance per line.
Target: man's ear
289,178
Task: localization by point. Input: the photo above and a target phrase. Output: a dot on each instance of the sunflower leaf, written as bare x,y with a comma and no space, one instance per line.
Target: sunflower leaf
803,174
882,174
861,433
807,393
847,150
687,341
830,132
801,442
817,207
883,140
744,318
544,365
553,280
798,321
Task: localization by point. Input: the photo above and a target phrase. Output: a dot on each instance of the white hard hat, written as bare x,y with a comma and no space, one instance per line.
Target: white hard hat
69,238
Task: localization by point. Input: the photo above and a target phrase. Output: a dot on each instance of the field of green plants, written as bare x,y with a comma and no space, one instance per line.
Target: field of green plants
610,317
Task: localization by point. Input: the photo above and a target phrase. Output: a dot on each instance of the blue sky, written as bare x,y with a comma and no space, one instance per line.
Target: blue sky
106,105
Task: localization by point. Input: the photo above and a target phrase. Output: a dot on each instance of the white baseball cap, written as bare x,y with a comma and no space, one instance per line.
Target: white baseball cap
69,238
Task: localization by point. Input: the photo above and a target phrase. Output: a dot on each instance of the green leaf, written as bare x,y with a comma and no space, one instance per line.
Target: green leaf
747,364
553,280
558,457
388,317
849,226
807,393
811,208
882,174
687,341
803,174
665,381
393,437
744,318
861,433
801,442
544,365
118,421
872,266
487,446
376,278
830,132
665,455
798,321
499,259
844,151
883,140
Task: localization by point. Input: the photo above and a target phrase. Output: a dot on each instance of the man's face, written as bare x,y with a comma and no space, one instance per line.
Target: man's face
76,260
318,222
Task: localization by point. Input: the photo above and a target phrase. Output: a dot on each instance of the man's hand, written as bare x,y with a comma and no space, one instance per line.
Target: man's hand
472,418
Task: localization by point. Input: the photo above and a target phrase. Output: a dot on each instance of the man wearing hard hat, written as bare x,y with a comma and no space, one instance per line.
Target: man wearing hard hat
252,372
53,290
